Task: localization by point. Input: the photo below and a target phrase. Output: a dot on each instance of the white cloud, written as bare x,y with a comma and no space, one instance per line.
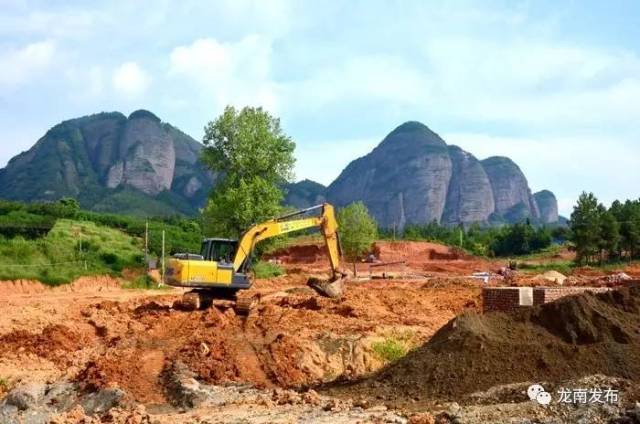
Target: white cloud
382,78
236,72
533,83
54,24
19,66
130,79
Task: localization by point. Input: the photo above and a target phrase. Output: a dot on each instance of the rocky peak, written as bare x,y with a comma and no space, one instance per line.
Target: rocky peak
511,192
470,196
403,180
98,157
548,206
144,114
412,176
146,159
304,194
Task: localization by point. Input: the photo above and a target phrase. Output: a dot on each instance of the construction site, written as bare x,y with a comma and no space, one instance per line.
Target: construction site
423,334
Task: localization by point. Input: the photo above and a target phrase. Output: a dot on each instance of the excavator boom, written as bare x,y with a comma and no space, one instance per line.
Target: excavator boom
326,221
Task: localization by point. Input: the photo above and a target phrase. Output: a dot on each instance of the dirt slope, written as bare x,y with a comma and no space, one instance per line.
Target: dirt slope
573,337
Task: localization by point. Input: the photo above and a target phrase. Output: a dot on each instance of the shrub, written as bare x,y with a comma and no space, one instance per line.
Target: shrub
267,270
390,349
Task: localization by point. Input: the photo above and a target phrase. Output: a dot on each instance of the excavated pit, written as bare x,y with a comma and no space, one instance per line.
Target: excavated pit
295,338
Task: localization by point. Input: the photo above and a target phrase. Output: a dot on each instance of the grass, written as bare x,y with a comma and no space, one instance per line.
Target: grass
547,252
71,249
390,349
563,267
396,344
267,270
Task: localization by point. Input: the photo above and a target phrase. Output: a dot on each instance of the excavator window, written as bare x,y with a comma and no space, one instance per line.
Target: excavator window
219,250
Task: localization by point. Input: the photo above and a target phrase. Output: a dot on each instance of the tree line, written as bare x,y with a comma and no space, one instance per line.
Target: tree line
506,240
599,234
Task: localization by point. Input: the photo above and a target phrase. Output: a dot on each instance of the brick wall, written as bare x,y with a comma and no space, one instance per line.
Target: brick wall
510,298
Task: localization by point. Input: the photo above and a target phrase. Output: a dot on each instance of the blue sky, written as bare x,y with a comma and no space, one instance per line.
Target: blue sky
553,85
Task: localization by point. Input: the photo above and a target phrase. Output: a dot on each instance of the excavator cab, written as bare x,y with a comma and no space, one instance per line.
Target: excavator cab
219,250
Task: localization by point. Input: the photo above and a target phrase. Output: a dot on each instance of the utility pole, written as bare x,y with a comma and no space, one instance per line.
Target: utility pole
162,277
146,244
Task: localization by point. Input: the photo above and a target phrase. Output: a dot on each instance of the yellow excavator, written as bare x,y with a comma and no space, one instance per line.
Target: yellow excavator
223,266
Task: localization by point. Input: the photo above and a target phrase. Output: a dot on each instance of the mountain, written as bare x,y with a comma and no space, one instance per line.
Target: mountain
141,165
548,206
304,194
404,180
511,194
109,162
414,177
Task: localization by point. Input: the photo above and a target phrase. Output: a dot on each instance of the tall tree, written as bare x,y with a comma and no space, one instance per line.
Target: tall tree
628,216
585,227
358,230
609,234
254,156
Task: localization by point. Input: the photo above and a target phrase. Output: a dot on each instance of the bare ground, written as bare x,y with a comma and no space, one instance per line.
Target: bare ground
98,336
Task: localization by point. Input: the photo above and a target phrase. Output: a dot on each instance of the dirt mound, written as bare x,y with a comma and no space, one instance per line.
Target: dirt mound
572,337
416,251
54,343
299,254
93,283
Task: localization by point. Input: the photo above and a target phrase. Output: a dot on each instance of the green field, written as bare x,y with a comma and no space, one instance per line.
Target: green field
69,250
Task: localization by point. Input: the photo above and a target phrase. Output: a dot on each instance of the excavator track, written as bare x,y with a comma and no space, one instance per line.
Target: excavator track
204,299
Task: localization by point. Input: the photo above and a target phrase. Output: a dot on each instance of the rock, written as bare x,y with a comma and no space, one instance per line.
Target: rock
304,194
470,196
148,154
413,177
26,396
548,206
94,158
511,193
422,418
102,401
404,180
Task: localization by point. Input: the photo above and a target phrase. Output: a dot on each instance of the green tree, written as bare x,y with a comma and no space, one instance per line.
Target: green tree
609,234
585,227
254,157
358,230
628,216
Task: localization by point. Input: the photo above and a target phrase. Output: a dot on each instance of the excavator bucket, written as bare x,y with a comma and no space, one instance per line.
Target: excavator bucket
244,305
331,288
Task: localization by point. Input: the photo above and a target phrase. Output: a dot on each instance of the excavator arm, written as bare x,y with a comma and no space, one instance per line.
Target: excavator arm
326,221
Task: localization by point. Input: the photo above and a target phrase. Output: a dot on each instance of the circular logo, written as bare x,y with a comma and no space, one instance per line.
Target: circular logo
544,398
534,390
